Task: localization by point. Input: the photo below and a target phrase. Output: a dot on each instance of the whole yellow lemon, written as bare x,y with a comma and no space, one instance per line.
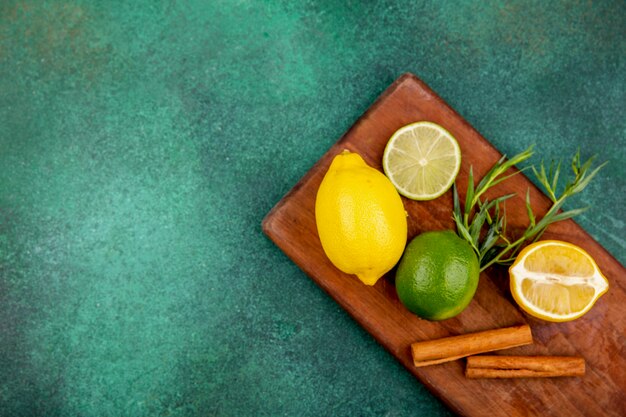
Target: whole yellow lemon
360,218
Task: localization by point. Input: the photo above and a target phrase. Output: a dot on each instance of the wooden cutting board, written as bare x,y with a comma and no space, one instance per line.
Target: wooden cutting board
599,336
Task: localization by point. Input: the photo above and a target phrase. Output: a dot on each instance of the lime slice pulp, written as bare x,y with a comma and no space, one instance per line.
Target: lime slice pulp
422,160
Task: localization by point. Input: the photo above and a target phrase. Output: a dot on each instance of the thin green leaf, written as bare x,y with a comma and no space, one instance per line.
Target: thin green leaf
477,223
492,173
465,235
491,237
458,216
460,228
544,176
584,182
503,229
545,220
535,172
546,179
567,214
493,178
585,167
502,199
500,179
576,162
470,192
529,209
520,157
555,179
459,224
457,205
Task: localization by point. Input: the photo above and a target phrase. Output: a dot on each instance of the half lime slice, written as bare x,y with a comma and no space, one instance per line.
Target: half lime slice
422,160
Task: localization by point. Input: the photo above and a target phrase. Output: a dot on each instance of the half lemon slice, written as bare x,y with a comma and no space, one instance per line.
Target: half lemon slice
422,160
556,281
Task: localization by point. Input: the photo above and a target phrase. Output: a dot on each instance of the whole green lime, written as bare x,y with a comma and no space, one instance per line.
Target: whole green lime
437,275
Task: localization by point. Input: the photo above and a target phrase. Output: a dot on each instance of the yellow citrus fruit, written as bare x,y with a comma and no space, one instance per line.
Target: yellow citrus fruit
360,218
556,281
422,160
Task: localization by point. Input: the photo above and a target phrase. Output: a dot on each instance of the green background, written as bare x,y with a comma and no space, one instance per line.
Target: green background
142,143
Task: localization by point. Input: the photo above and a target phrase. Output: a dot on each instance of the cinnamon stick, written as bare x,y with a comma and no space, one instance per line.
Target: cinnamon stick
524,366
450,348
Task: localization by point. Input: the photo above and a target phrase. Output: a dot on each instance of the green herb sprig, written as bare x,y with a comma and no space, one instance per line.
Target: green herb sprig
494,247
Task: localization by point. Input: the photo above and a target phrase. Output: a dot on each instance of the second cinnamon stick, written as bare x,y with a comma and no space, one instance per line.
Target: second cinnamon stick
524,366
432,352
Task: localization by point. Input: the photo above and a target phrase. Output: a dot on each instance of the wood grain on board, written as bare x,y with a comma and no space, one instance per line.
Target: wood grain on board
599,336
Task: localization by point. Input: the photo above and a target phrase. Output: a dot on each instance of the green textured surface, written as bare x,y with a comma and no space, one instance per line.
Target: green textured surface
142,144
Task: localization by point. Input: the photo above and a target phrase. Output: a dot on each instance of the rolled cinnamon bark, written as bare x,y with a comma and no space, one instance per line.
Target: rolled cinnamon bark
432,352
524,366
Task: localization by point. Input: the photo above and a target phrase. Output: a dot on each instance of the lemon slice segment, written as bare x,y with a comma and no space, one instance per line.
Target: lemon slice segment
422,160
556,281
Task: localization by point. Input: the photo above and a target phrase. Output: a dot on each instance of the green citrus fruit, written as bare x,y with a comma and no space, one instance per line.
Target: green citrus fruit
437,275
